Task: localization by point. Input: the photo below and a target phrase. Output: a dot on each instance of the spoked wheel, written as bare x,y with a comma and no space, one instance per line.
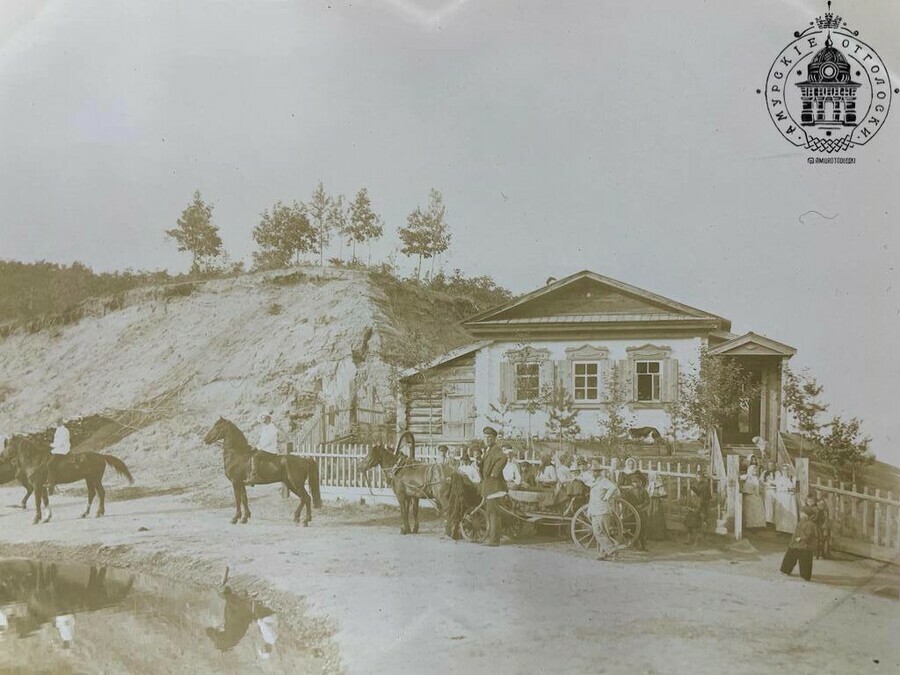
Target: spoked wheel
474,526
629,523
583,531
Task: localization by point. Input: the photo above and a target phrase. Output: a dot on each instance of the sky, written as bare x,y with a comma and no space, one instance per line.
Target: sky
622,137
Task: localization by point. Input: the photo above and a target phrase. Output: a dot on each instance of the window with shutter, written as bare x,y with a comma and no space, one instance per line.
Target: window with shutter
528,381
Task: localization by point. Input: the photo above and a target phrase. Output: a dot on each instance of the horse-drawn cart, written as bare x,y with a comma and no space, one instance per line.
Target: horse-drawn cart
564,509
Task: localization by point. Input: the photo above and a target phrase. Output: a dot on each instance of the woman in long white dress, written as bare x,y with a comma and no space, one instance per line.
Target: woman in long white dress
767,478
785,501
754,511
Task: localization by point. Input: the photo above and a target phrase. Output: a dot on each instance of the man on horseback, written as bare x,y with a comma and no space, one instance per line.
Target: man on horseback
267,441
493,487
61,447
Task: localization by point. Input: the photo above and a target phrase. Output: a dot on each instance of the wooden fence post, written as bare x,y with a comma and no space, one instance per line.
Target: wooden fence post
734,501
802,479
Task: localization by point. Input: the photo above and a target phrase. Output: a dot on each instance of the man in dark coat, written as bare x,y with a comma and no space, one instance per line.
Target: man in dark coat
493,486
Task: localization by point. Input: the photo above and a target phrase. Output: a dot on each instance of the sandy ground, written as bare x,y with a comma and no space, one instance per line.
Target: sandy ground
381,602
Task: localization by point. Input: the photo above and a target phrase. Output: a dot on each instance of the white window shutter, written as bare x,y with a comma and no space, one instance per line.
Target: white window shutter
626,372
670,381
564,376
508,381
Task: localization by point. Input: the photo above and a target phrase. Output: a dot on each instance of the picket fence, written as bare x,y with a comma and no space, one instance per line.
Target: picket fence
864,523
339,470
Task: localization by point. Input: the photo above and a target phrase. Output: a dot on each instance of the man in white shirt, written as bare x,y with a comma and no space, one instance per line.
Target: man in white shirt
599,508
61,446
511,473
469,469
267,441
547,473
65,624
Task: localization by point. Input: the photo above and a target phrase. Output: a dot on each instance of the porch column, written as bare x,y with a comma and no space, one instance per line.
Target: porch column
772,411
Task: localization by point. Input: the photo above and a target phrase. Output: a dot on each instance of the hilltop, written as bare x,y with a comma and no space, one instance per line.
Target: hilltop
146,376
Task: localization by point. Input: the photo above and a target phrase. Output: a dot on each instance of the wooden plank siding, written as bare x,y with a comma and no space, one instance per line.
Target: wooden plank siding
440,402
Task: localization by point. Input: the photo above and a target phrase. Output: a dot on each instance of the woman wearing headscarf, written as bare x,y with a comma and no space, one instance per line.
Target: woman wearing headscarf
633,484
754,507
767,479
656,517
785,502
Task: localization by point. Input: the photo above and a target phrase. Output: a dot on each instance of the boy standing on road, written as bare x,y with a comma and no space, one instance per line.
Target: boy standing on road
803,545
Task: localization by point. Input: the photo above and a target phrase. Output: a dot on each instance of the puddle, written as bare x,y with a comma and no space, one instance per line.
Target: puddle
64,618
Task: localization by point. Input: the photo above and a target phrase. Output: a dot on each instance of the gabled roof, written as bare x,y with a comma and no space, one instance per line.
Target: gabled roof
445,357
645,307
752,344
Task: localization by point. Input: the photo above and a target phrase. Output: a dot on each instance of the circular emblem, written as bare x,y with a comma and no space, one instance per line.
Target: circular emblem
828,91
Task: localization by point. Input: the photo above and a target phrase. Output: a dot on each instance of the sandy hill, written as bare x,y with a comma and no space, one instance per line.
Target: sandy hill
149,377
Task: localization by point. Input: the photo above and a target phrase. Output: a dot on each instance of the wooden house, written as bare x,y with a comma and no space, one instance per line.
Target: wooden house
580,334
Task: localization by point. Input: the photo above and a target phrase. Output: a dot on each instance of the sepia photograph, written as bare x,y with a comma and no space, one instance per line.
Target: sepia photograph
449,336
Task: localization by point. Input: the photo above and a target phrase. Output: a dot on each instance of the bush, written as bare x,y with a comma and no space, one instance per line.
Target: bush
275,309
181,290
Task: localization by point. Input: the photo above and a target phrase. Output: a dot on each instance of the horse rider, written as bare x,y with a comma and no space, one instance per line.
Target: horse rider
493,486
267,440
61,447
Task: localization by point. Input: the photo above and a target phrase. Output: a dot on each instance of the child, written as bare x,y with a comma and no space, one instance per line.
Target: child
803,543
692,521
823,522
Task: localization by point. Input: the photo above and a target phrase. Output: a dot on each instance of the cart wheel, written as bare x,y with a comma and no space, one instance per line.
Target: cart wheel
583,530
474,526
629,523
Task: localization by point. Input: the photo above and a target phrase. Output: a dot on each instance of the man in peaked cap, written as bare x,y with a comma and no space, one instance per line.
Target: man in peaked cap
493,486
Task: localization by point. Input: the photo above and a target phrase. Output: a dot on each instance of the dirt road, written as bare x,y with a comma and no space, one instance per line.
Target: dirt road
382,602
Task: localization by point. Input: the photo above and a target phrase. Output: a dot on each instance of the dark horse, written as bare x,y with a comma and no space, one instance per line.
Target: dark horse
32,457
10,470
290,470
410,479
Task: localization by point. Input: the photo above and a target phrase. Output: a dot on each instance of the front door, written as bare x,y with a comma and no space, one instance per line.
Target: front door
745,426
458,413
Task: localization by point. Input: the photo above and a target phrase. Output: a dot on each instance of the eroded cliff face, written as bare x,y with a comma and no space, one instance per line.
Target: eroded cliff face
164,366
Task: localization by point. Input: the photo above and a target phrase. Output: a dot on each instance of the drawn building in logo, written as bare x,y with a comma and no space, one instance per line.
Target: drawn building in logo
828,94
828,91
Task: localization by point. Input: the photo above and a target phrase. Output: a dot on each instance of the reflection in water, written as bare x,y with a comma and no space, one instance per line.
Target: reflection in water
34,593
238,615
76,618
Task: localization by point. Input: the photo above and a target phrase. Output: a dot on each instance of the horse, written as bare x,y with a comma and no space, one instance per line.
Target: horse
11,470
33,457
462,496
411,480
290,470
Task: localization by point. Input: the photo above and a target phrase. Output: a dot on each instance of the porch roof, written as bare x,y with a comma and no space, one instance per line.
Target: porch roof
751,344
445,357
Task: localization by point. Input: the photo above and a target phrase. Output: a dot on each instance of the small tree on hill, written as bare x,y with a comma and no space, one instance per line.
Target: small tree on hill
319,211
618,420
844,446
365,225
801,398
196,234
426,234
282,234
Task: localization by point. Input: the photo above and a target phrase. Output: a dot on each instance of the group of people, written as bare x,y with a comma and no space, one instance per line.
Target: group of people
497,469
